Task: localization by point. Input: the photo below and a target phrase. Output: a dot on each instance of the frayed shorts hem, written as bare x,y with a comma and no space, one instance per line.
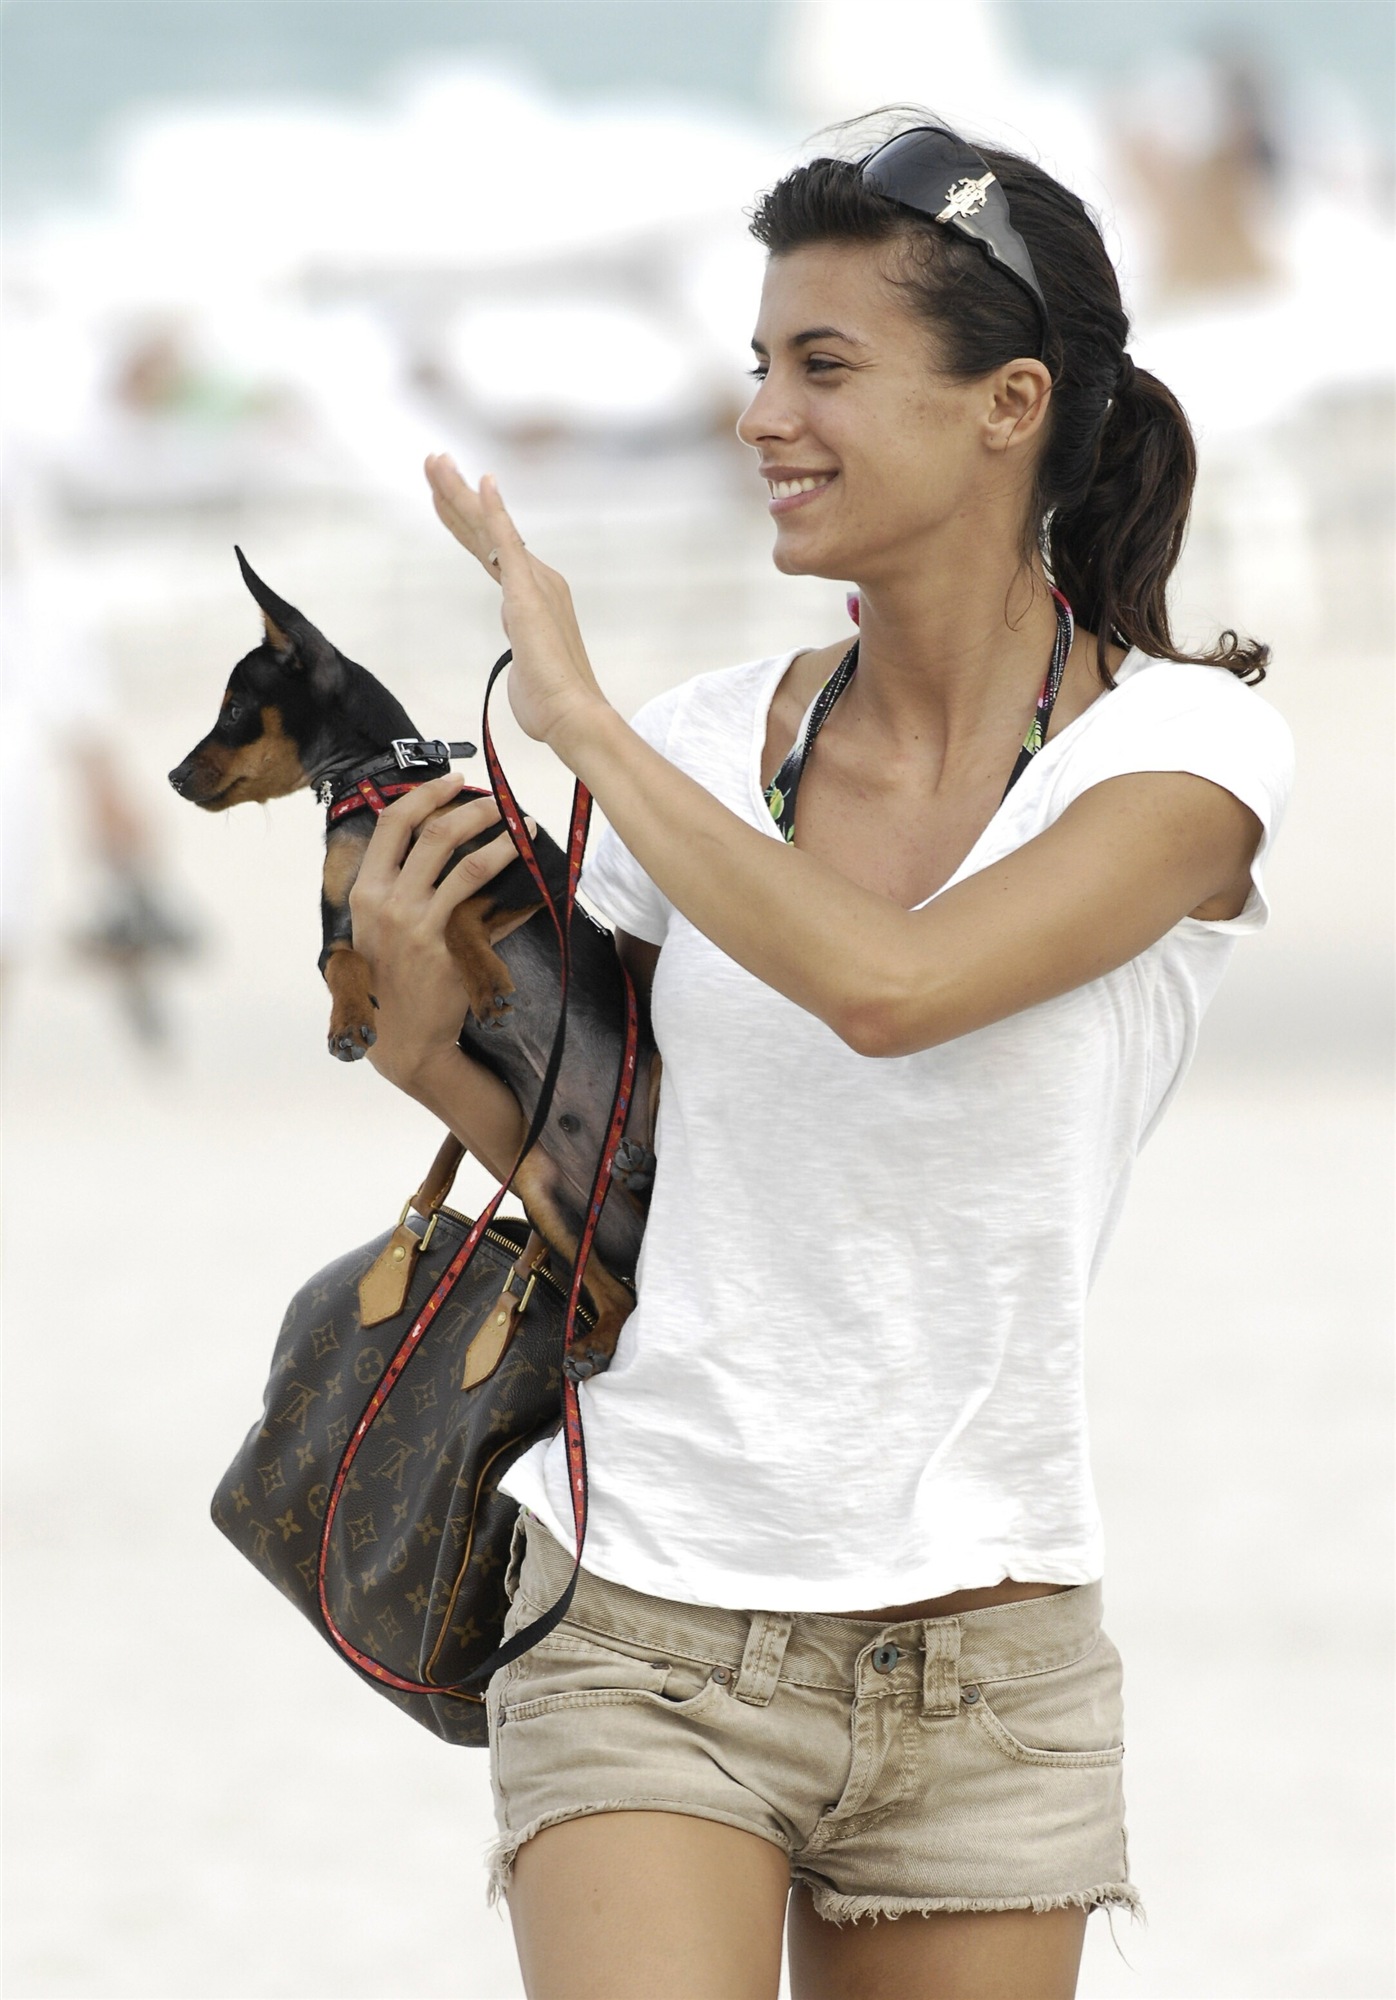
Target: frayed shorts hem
500,1859
836,1909
828,1904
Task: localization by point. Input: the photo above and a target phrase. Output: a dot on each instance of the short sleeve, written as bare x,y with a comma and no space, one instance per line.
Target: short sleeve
612,880
1177,716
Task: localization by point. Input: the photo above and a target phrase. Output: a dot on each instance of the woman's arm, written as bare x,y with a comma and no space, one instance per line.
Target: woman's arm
1122,865
475,1104
472,1101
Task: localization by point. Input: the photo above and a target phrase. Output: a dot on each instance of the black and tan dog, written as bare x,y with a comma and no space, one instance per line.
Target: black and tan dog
297,714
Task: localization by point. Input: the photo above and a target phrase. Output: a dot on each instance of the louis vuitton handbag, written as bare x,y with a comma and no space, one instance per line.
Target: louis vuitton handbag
408,1376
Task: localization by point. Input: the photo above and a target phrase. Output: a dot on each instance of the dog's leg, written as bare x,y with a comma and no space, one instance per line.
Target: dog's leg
536,1184
471,933
352,1033
635,1161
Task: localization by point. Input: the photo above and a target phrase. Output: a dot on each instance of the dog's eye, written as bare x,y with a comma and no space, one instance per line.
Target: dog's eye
234,711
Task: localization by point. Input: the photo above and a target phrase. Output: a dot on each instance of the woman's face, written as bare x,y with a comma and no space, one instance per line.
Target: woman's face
849,399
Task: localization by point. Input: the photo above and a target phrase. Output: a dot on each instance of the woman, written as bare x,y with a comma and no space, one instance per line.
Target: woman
836,1649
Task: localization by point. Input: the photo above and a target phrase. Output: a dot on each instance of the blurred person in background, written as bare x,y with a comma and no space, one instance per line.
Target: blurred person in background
912,1045
171,422
1200,144
58,709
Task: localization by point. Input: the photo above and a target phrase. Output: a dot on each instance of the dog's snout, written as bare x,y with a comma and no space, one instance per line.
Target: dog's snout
179,777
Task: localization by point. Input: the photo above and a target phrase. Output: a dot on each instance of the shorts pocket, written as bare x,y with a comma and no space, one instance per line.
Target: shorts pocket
514,1565
1071,1716
575,1667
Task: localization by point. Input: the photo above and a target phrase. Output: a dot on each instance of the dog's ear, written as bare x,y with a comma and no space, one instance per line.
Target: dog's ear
297,643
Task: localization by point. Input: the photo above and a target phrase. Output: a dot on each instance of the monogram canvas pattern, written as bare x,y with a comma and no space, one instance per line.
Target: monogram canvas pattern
418,1548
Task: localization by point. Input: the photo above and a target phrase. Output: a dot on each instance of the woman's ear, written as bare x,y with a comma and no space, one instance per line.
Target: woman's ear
1020,394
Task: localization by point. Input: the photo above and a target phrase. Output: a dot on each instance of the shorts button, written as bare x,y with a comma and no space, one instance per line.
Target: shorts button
885,1658
722,1675
970,1694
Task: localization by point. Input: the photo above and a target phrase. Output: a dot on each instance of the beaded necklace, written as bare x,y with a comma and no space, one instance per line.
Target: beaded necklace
782,790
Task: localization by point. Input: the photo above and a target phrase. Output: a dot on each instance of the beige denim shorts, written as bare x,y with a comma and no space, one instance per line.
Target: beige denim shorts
964,1763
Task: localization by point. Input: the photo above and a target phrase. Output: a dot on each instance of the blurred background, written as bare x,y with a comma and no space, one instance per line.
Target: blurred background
259,260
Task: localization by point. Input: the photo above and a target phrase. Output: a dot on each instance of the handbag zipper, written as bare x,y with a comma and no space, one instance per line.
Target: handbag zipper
497,1236
546,1275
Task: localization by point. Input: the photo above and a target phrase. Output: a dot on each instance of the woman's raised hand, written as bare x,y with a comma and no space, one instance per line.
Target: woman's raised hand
550,682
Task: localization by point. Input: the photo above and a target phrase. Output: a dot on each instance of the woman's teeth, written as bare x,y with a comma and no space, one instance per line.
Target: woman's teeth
781,489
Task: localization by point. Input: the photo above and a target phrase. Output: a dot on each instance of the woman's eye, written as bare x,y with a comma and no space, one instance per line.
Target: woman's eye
816,364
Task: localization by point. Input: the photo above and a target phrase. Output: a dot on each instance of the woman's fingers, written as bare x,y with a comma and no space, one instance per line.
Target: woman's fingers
396,824
438,840
474,870
551,676
458,507
511,558
480,521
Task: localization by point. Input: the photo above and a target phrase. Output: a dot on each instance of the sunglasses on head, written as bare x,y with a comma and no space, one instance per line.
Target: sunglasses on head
942,176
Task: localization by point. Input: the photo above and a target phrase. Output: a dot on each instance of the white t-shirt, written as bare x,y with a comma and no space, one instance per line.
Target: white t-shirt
853,1376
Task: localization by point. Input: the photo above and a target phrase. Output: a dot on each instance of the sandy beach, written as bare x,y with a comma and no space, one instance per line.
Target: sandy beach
202,1800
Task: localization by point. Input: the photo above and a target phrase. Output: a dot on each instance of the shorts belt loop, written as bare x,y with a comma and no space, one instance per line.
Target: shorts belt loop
941,1680
762,1657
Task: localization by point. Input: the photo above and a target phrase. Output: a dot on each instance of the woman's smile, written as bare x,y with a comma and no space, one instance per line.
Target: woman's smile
791,488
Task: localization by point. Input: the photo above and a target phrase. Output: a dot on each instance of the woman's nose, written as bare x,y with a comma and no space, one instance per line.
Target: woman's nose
765,416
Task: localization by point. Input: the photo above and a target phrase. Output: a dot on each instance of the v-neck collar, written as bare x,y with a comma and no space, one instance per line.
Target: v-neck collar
766,693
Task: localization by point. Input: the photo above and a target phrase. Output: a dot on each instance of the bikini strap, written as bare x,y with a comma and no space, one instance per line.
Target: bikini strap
781,793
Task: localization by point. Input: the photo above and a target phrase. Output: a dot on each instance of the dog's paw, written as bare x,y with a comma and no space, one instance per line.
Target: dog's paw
351,1044
590,1354
581,1367
490,1013
634,1166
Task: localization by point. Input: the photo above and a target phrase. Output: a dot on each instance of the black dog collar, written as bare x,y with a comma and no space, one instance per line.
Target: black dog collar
351,791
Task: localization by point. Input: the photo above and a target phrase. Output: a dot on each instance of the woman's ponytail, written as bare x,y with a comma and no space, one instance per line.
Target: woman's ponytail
1113,551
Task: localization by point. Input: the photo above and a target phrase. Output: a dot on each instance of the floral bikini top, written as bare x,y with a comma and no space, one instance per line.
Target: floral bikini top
780,793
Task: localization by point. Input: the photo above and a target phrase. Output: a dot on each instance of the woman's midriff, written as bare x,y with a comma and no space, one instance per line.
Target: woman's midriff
1007,1592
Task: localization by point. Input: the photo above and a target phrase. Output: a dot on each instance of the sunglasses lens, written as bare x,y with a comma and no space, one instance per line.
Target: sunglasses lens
919,168
939,175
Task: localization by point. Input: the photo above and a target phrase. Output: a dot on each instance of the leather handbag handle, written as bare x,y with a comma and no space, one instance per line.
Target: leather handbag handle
384,1286
440,1176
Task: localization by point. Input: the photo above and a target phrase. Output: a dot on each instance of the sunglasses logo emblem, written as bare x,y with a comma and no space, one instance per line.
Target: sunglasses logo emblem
966,197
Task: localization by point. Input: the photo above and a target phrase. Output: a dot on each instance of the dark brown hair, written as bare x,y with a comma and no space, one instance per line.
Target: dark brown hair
1115,476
